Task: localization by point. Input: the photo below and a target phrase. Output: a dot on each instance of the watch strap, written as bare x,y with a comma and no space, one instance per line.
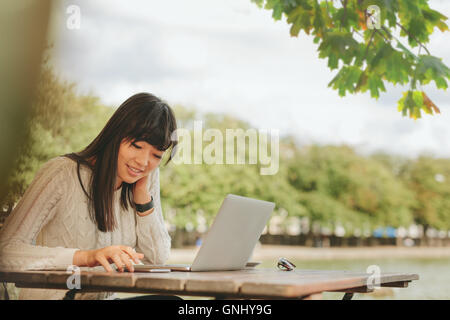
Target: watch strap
144,207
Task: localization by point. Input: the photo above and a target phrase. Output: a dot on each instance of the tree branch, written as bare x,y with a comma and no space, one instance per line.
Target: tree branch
412,36
354,30
358,85
344,17
368,45
328,8
382,35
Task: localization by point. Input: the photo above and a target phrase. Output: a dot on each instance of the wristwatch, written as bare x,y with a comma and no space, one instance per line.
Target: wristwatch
144,207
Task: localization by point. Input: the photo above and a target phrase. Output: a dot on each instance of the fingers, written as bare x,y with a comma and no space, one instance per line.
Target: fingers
127,261
133,254
118,262
121,256
130,252
124,259
104,262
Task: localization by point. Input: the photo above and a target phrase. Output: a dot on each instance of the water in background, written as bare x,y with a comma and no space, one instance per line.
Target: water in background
433,283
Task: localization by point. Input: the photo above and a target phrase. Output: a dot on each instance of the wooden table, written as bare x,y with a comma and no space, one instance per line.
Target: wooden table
248,284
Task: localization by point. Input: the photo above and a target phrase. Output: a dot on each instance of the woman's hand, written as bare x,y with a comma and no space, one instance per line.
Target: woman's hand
120,255
141,194
143,184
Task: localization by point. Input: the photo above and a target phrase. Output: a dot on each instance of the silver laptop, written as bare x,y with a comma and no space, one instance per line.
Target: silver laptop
231,239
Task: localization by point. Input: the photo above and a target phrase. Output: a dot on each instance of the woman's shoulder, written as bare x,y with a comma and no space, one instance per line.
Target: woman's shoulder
59,165
53,175
59,162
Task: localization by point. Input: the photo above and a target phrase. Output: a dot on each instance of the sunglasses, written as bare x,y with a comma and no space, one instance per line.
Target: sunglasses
285,265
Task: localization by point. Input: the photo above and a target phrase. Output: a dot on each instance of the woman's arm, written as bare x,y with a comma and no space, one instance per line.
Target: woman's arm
36,208
153,239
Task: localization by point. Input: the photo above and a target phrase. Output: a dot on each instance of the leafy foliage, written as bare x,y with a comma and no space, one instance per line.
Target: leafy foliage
363,189
61,122
429,179
366,58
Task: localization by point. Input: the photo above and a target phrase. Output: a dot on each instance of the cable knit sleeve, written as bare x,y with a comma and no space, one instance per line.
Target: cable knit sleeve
153,239
36,208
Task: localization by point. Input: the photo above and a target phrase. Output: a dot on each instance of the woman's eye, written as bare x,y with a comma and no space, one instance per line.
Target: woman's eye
136,146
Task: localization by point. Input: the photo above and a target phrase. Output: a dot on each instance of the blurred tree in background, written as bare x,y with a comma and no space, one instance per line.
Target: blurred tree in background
429,178
61,122
332,185
339,185
189,188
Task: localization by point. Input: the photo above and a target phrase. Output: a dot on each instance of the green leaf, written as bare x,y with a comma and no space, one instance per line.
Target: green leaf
435,19
295,29
398,68
431,68
417,29
259,3
375,86
302,22
413,102
270,4
277,11
346,18
293,14
304,4
340,45
319,21
346,80
408,9
379,60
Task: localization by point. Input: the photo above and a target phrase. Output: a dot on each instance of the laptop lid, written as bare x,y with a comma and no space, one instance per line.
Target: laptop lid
233,235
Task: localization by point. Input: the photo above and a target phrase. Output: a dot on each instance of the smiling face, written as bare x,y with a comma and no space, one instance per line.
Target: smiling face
136,160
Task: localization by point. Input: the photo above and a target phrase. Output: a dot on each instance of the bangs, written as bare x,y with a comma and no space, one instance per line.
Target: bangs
156,128
160,140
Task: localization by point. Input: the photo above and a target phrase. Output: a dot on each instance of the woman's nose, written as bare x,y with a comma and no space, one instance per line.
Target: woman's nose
142,160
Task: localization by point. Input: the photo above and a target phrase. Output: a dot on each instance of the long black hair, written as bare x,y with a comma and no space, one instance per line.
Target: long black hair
142,117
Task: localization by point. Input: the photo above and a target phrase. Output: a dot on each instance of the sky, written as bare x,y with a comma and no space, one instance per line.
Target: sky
232,57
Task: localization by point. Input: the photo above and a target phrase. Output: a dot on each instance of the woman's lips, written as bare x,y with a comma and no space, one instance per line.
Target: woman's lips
133,173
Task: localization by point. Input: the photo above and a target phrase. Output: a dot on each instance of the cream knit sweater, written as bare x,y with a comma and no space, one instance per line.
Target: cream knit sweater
51,222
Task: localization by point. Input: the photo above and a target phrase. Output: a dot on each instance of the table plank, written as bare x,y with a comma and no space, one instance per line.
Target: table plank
111,280
160,281
24,276
257,283
295,284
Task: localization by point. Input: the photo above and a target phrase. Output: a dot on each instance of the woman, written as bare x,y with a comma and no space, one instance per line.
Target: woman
98,206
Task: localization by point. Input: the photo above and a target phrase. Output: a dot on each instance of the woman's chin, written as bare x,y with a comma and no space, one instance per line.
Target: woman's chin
131,180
